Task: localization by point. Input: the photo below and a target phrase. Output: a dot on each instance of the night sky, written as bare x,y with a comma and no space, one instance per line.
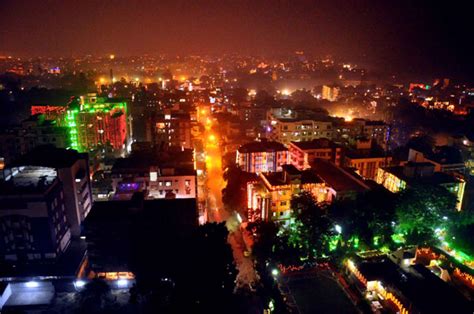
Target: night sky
412,36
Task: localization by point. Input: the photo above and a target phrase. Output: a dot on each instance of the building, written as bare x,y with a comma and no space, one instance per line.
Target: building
264,156
410,288
32,132
96,121
351,131
270,196
33,224
445,159
367,160
119,231
72,169
344,183
251,113
330,92
170,128
299,130
302,154
158,174
398,178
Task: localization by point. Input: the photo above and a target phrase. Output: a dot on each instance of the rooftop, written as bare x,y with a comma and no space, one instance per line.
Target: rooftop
26,177
337,178
290,172
315,144
161,213
263,146
434,178
374,152
427,292
50,156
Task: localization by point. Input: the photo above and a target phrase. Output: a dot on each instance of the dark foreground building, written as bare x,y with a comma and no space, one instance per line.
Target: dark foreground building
120,234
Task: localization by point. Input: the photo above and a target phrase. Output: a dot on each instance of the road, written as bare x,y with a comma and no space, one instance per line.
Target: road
216,211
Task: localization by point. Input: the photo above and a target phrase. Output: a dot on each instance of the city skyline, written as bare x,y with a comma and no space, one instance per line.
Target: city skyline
418,38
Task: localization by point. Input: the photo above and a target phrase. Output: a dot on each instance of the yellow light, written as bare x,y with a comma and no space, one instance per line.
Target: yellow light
137,79
112,56
212,138
102,80
348,118
286,92
183,78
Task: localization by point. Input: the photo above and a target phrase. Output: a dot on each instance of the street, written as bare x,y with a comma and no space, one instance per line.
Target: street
215,208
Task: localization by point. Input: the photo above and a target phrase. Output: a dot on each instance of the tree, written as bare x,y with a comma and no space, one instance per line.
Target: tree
234,194
264,239
311,229
420,210
369,217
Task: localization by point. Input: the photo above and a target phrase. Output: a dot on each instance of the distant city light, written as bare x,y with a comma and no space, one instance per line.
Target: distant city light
112,56
275,272
286,92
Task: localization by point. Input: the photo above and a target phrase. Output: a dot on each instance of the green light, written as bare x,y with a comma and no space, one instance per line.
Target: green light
398,238
376,240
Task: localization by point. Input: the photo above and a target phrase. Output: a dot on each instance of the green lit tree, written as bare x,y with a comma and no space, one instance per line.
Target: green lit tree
368,218
421,209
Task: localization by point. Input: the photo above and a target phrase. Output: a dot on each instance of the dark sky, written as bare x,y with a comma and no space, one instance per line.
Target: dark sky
416,36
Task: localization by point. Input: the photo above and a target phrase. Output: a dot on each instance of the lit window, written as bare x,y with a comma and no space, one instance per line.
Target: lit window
167,183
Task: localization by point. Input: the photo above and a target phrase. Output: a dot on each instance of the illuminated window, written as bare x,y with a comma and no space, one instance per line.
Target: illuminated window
167,183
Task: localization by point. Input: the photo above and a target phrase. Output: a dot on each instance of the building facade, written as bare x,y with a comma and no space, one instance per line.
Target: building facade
172,129
397,178
269,198
302,154
33,224
265,156
73,171
97,121
299,130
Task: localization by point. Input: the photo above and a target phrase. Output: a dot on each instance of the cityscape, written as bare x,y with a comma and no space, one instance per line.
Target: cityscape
236,157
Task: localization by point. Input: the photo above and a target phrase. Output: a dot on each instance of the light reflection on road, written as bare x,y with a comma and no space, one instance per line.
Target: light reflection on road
216,212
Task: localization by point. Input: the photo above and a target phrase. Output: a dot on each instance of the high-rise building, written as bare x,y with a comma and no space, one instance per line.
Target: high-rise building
171,128
32,132
33,224
73,171
96,121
